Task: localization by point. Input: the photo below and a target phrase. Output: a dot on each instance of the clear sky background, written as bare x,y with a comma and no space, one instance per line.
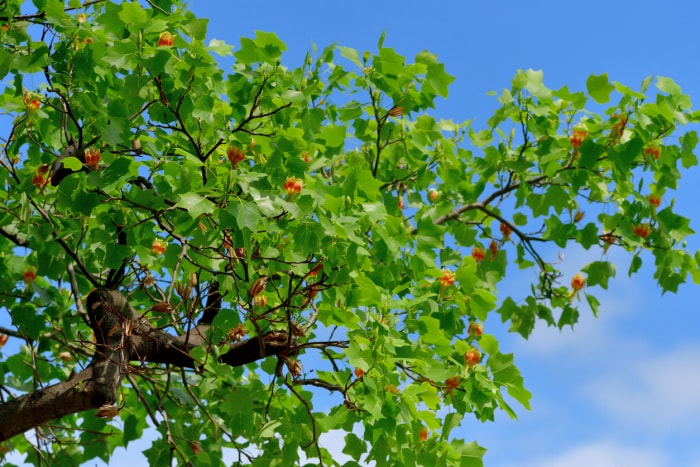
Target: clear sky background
622,389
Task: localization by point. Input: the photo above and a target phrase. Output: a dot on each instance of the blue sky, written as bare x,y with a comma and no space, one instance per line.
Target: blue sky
622,389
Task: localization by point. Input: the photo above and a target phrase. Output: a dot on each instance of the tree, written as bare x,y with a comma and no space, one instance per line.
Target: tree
178,240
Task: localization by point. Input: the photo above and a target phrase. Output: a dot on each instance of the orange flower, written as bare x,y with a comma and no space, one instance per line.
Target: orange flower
654,200
313,291
314,271
235,155
158,247
577,282
472,357
643,230
493,248
447,278
577,137
166,39
619,126
391,389
433,195
475,329
423,434
653,151
196,447
293,185
92,158
29,276
31,101
608,238
81,17
506,231
34,104
452,383
3,339
578,216
260,301
39,180
359,373
478,253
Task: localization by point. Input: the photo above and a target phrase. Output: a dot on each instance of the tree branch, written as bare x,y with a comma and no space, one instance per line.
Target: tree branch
121,336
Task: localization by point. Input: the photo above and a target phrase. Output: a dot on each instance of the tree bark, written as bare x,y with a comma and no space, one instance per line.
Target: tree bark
120,338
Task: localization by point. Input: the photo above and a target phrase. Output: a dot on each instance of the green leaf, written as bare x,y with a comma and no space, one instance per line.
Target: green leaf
431,331
488,343
195,204
220,47
481,302
635,265
593,303
354,446
5,63
55,13
341,251
133,428
534,84
270,429
293,96
196,28
266,47
438,79
72,163
132,13
599,273
599,88
667,85
471,455
577,99
452,421
333,135
247,215
350,54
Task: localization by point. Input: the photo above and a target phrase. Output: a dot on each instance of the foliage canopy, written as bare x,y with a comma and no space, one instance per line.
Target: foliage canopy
178,240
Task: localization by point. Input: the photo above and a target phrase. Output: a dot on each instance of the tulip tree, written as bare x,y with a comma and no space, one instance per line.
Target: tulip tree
232,263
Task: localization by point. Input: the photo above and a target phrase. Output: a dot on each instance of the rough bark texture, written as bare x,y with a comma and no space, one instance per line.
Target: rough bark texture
120,338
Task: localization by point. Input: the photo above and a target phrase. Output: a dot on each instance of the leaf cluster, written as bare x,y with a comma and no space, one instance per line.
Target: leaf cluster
323,204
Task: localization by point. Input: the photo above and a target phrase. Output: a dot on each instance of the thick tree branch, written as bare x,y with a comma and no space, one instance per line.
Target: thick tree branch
72,396
121,336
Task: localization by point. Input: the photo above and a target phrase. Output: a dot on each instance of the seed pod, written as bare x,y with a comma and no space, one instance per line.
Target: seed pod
161,307
107,411
258,286
396,111
294,366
